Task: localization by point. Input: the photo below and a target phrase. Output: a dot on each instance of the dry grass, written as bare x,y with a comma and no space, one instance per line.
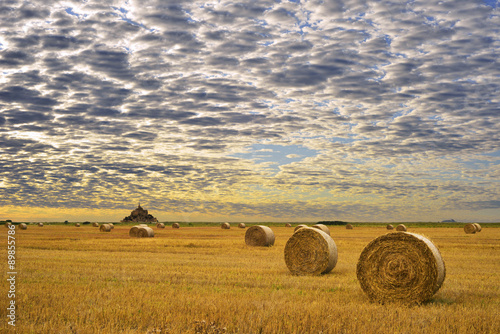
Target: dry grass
78,280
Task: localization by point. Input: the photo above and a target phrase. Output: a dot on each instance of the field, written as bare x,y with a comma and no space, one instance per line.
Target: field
202,279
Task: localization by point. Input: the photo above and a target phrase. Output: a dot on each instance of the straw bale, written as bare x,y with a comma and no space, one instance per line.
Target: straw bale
225,226
310,251
7,224
105,228
323,228
242,225
478,227
40,224
77,224
288,225
259,235
134,230
349,227
160,225
298,227
23,226
390,227
400,267
95,224
470,228
111,225
176,225
401,228
145,232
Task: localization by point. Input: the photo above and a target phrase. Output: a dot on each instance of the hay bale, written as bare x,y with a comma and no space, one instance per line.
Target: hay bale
145,232
390,227
310,251
95,224
7,224
134,230
401,228
242,225
40,224
160,225
288,225
478,227
23,226
225,226
298,227
176,225
470,228
111,225
349,227
323,228
105,228
259,235
402,267
77,224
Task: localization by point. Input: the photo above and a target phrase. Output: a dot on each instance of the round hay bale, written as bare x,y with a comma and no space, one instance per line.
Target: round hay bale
390,227
402,267
288,225
310,251
111,225
7,224
401,228
145,232
225,226
160,225
176,225
134,230
95,224
105,228
298,227
470,228
77,224
242,225
259,235
478,227
23,226
349,227
40,224
323,228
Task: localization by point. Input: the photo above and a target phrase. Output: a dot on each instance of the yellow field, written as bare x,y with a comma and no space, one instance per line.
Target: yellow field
206,280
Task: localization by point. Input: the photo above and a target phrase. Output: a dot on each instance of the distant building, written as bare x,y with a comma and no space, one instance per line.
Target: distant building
140,215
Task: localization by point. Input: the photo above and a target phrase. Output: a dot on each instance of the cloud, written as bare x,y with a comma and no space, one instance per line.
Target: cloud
369,107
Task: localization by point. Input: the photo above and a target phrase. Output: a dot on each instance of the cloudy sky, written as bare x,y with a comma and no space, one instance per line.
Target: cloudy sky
250,111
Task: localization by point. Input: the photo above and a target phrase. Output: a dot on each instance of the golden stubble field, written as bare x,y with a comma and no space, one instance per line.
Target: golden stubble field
206,280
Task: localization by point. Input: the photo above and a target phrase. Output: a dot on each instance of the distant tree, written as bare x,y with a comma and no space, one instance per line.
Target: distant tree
332,222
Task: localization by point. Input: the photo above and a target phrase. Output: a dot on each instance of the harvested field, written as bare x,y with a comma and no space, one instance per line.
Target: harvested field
82,281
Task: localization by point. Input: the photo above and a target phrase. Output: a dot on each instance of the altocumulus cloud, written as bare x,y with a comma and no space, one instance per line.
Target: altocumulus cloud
371,110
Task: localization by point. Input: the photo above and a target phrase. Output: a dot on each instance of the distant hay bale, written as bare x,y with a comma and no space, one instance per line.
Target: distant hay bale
390,227
160,225
288,225
470,228
111,225
242,225
7,224
23,226
478,227
401,228
105,228
145,232
298,227
402,267
225,226
310,251
349,227
259,235
95,224
176,225
77,224
40,224
323,228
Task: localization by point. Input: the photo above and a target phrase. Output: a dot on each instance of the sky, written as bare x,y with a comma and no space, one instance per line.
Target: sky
250,110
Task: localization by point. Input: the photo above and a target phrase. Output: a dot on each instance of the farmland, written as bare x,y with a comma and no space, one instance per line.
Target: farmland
202,279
